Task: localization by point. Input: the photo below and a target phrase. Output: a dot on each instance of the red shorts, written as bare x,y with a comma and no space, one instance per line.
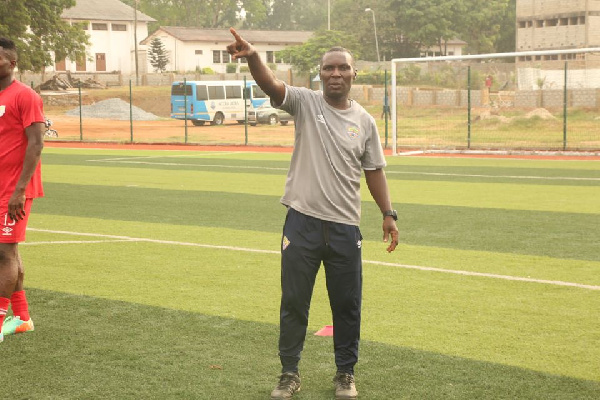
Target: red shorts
13,231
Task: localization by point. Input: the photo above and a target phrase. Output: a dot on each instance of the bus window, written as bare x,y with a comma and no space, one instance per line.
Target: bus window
201,93
258,92
233,92
177,90
216,92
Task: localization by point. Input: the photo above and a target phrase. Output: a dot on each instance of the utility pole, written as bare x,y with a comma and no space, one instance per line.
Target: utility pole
135,45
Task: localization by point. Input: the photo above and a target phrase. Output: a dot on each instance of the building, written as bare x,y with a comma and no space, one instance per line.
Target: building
451,47
546,25
557,25
112,27
191,49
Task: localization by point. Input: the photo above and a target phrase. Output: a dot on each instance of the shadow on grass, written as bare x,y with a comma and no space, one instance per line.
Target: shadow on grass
85,347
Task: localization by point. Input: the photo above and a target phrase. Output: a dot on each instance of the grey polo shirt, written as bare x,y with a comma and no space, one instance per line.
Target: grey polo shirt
331,148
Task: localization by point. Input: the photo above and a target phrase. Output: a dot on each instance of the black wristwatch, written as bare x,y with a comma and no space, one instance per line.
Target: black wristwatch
391,213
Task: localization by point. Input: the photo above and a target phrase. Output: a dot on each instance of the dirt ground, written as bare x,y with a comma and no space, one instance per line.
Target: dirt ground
169,131
165,130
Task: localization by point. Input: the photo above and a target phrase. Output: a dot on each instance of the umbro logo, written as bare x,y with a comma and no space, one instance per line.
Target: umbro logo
320,118
6,231
285,243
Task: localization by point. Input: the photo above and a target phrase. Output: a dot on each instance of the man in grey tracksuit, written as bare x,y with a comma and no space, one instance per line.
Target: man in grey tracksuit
335,140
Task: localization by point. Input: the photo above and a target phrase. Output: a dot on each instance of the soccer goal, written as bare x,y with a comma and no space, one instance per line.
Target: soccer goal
523,101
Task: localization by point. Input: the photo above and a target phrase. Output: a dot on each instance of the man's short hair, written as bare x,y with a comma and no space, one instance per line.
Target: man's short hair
9,47
336,49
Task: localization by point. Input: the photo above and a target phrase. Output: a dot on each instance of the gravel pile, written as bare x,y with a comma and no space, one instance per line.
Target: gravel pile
115,109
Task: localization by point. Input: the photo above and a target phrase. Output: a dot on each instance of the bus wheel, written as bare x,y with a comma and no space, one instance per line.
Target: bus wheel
218,119
273,120
197,122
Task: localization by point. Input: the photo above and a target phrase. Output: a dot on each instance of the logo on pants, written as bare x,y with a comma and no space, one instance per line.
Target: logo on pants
6,226
285,243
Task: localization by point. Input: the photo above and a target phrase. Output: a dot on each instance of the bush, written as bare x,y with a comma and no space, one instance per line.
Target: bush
231,68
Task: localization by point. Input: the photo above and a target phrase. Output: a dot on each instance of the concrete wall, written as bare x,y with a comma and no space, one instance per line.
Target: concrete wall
581,98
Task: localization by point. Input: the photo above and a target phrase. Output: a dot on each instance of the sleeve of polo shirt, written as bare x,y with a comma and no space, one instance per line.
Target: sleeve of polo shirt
373,157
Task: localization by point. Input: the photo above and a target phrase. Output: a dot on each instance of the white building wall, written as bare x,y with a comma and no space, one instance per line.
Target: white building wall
186,57
117,46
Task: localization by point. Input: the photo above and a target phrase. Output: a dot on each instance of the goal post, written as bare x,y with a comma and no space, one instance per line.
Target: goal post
531,100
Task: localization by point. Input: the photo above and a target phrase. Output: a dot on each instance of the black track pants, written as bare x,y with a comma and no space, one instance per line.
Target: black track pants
307,242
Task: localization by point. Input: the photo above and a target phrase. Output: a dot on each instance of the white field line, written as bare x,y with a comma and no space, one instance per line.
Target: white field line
76,242
128,158
246,249
190,165
551,178
125,160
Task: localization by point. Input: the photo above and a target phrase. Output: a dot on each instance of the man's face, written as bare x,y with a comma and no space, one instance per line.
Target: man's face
7,63
337,74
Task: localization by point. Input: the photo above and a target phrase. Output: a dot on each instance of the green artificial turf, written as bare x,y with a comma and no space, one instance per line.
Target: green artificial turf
156,275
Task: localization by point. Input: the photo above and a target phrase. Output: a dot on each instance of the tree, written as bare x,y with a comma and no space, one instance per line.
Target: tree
506,39
196,13
38,31
158,55
307,57
485,25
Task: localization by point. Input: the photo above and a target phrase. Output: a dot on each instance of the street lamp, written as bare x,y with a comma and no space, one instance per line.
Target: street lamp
328,15
375,28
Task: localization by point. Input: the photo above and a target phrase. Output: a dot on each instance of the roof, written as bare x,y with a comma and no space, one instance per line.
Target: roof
103,10
186,34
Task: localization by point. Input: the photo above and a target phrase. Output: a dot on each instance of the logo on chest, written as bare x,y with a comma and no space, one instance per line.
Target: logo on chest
2,110
353,132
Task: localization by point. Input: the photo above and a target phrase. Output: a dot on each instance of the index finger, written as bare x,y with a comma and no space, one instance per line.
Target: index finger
237,37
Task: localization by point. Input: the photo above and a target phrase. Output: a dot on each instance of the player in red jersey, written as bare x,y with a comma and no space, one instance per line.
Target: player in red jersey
21,144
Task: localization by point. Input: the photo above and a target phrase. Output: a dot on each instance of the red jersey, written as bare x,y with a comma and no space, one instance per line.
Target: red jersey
20,107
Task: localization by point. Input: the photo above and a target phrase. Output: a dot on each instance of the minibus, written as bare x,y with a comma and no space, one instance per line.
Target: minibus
214,101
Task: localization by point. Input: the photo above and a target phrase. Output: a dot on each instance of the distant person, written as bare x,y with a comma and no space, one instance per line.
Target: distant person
335,139
488,83
21,144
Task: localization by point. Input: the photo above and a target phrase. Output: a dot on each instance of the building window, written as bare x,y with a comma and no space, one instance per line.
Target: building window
216,56
216,92
564,21
552,22
99,27
119,27
83,25
198,52
522,24
581,20
269,56
101,62
539,23
60,65
226,57
233,92
573,20
80,64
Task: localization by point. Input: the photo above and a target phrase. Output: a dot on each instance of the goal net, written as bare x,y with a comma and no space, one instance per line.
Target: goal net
537,100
